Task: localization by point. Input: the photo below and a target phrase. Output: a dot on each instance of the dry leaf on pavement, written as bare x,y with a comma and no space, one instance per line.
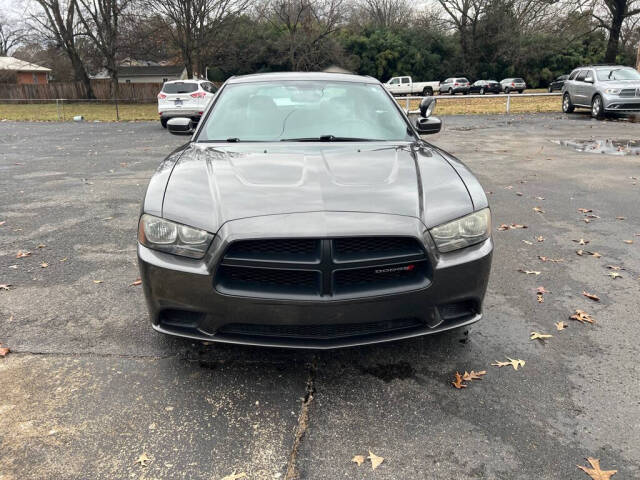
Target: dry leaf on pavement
5,286
359,459
539,336
375,460
585,210
513,226
591,296
3,222
621,218
582,317
143,460
473,375
596,473
561,326
614,267
540,238
628,242
22,254
553,260
538,210
235,476
4,351
136,283
514,363
458,381
614,275
540,291
582,241
44,265
97,281
529,272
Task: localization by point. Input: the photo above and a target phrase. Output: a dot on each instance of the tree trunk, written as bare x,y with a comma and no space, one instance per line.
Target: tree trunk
638,58
614,35
81,74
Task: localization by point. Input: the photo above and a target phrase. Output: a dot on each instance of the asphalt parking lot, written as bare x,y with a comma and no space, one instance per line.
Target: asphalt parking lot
89,388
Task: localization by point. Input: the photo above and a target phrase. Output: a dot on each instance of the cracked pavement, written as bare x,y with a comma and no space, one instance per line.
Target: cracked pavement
89,387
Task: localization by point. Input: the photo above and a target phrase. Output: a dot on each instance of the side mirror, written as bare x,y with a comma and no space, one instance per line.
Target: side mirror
426,126
180,126
588,80
426,106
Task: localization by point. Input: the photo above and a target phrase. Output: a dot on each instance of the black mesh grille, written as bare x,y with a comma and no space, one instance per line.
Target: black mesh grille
629,92
365,248
319,332
457,310
270,277
378,277
275,250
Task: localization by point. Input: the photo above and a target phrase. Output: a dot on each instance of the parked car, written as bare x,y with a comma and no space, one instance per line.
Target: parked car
513,84
454,85
307,211
485,86
603,89
184,98
558,83
406,86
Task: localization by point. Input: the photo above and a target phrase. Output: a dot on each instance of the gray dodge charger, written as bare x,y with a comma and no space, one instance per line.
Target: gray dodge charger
306,211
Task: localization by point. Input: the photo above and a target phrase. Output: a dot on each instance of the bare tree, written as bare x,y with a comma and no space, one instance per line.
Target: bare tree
611,16
193,24
387,13
307,25
464,16
57,21
11,35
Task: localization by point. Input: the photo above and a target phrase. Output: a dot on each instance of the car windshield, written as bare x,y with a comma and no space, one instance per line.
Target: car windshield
304,111
518,80
617,73
180,87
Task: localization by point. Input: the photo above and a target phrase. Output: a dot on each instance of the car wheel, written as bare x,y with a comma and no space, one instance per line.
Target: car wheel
520,91
550,90
567,106
163,122
597,109
507,90
466,92
482,91
427,92
451,92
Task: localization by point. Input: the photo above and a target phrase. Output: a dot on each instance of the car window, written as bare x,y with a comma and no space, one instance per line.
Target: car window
463,80
406,80
519,80
209,87
304,109
180,87
563,77
479,82
589,76
574,74
581,76
394,81
617,73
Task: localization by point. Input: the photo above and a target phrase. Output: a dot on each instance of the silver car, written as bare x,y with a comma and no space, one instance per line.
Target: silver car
602,89
454,85
513,85
306,211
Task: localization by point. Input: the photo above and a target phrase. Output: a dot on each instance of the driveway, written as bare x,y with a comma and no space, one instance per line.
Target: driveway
89,389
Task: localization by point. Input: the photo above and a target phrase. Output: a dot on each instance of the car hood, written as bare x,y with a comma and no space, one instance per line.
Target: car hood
211,185
622,84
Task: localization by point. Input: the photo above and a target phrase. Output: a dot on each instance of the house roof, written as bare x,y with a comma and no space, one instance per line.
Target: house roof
16,65
155,70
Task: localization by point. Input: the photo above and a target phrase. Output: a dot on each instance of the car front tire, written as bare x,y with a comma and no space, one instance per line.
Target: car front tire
482,91
507,90
427,92
163,122
451,91
597,109
567,106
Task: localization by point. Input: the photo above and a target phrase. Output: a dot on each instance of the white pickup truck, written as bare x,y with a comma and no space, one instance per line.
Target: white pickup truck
406,86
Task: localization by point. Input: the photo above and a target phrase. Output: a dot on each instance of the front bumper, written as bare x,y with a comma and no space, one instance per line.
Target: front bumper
615,103
187,113
183,301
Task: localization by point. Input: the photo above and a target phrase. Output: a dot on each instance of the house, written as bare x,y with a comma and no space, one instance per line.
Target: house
147,73
23,72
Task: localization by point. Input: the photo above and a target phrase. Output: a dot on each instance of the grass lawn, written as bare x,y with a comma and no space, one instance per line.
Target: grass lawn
49,112
447,105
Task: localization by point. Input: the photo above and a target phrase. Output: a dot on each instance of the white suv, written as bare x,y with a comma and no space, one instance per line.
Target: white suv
184,98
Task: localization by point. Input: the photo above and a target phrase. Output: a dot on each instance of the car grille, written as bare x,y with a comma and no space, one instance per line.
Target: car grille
322,268
630,92
320,332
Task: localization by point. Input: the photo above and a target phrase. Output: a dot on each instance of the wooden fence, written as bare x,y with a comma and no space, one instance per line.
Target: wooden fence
128,92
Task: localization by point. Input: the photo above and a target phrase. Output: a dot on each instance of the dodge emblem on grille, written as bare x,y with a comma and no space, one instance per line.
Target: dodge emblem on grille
406,268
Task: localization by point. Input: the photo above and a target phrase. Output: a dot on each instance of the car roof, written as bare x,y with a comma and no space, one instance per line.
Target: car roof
188,80
284,76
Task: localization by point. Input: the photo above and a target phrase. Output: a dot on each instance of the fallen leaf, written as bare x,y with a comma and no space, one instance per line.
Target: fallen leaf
586,220
22,254
614,267
473,375
582,241
514,363
458,382
561,326
593,216
508,187
42,245
143,460
582,317
519,194
3,222
527,242
136,283
538,210
591,296
585,210
540,238
529,272
539,198
539,336
621,218
375,460
5,286
44,264
614,275
359,459
547,259
15,267
580,252
4,351
629,242
513,226
596,473
235,476
97,281
64,259
594,254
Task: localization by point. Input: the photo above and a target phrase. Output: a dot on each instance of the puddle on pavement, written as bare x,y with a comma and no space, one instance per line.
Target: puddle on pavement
607,146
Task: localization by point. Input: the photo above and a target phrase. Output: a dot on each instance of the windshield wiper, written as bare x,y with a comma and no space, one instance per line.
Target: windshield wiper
328,138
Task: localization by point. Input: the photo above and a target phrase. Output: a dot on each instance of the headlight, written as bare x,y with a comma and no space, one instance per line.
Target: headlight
465,231
612,91
170,237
